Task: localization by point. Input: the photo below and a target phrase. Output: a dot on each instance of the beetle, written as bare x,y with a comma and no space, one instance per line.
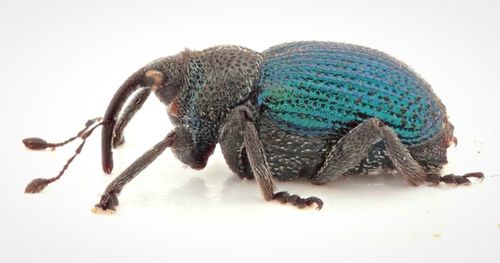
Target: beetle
315,110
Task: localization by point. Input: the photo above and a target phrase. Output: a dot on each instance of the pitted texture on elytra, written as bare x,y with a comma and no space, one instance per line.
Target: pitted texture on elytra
326,89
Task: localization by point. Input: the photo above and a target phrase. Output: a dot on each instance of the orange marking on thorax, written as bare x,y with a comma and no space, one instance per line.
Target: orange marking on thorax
174,108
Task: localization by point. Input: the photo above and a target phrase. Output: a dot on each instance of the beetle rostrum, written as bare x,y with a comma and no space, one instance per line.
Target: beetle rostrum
314,110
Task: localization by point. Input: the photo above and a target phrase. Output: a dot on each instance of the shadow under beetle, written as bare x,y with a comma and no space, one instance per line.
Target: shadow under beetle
317,110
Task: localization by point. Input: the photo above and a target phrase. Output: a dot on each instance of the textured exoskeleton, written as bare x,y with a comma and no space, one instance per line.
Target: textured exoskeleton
318,110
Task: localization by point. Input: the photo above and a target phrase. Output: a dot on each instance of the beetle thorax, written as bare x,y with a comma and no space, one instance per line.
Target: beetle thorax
207,85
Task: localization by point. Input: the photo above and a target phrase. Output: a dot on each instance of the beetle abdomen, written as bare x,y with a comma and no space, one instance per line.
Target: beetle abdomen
326,89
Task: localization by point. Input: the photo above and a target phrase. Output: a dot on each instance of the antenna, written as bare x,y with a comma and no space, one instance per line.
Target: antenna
34,143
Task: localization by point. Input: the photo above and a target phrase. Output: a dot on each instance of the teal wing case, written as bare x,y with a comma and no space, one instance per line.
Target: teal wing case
326,89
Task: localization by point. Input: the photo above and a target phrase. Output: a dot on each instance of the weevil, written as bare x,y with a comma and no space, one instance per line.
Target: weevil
314,110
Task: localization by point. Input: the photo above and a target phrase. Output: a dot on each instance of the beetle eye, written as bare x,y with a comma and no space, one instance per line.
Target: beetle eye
170,90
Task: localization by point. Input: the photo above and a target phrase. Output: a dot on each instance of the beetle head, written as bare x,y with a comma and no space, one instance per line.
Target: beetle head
198,88
167,76
163,76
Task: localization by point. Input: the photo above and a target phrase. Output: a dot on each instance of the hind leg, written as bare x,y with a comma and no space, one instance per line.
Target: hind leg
434,177
355,147
433,156
377,159
461,179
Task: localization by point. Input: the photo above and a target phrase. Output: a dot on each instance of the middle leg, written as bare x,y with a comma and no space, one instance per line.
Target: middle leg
260,167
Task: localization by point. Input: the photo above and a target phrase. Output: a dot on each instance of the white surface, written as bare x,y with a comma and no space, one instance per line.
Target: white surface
61,62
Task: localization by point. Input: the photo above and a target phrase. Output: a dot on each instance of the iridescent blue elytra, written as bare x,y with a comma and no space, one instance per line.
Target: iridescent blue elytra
325,88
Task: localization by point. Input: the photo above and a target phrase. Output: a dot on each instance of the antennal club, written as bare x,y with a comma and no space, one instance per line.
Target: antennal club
35,143
39,184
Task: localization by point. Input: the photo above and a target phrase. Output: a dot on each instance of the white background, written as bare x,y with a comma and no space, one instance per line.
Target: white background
61,62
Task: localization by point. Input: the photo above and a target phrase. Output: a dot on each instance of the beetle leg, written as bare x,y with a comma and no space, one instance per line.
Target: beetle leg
261,171
354,147
109,199
133,106
454,179
285,197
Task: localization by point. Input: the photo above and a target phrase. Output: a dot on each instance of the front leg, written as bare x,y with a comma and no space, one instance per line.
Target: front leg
133,106
258,163
109,199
